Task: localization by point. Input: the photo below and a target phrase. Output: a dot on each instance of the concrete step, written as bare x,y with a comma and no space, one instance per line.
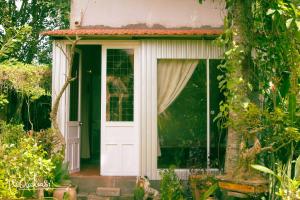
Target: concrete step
82,196
94,196
108,191
89,184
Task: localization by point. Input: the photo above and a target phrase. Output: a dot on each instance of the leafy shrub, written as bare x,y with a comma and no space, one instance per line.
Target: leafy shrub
20,77
61,172
10,133
45,138
288,185
23,162
170,186
138,193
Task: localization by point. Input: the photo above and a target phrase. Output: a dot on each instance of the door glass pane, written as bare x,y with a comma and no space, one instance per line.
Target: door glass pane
182,126
119,85
74,86
217,135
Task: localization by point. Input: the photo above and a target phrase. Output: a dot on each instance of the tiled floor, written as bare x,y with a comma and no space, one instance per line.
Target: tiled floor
88,168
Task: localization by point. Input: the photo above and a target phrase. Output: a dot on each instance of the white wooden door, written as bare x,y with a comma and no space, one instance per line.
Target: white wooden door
74,124
119,121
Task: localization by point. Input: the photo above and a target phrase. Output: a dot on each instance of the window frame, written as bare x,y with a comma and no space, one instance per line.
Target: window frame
184,172
125,45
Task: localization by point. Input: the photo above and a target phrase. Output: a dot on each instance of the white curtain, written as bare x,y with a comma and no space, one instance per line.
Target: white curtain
172,77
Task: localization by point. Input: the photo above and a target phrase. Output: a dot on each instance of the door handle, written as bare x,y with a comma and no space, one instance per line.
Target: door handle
80,123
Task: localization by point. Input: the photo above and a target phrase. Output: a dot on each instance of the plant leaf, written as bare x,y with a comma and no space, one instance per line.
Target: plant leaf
270,11
297,169
263,169
298,24
288,22
210,191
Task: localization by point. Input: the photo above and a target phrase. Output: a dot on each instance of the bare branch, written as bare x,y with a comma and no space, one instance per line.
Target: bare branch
60,144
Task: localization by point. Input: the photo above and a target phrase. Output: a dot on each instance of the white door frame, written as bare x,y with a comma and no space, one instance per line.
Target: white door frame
131,44
134,125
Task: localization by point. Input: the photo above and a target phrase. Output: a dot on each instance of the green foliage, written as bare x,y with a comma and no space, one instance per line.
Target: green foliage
211,190
29,80
138,193
3,101
24,163
261,39
35,16
23,84
287,187
10,134
170,186
45,138
12,41
207,184
61,172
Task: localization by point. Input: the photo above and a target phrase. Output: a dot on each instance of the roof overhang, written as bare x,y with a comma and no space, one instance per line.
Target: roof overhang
121,33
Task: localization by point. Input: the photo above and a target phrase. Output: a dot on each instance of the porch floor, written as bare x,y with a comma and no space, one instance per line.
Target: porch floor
88,168
88,179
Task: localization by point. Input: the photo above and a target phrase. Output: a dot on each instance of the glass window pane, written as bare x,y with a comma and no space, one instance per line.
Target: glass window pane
74,86
182,126
119,85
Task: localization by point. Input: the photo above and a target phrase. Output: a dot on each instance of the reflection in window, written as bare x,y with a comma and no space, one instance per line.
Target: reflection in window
119,85
182,127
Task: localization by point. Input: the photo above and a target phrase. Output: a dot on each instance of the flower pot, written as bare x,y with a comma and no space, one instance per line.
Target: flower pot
62,191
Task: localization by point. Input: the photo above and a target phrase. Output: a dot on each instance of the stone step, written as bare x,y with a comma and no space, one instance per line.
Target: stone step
82,196
108,191
94,196
89,184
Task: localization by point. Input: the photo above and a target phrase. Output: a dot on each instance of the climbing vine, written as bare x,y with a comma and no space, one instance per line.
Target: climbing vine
261,80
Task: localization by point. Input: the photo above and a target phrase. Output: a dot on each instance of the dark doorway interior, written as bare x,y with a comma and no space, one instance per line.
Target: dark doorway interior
90,108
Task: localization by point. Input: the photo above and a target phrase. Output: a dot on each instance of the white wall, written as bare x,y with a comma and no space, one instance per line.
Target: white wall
151,50
166,13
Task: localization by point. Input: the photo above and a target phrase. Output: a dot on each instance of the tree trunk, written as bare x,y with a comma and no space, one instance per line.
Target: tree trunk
241,18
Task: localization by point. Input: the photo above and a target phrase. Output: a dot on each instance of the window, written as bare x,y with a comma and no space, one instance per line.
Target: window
182,126
119,85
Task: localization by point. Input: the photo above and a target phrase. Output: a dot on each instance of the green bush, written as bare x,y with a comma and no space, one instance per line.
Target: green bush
61,173
138,193
45,138
10,133
24,163
171,187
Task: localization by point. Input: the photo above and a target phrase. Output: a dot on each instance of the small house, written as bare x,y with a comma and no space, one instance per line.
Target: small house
146,89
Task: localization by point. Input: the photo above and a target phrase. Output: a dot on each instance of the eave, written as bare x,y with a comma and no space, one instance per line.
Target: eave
134,34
